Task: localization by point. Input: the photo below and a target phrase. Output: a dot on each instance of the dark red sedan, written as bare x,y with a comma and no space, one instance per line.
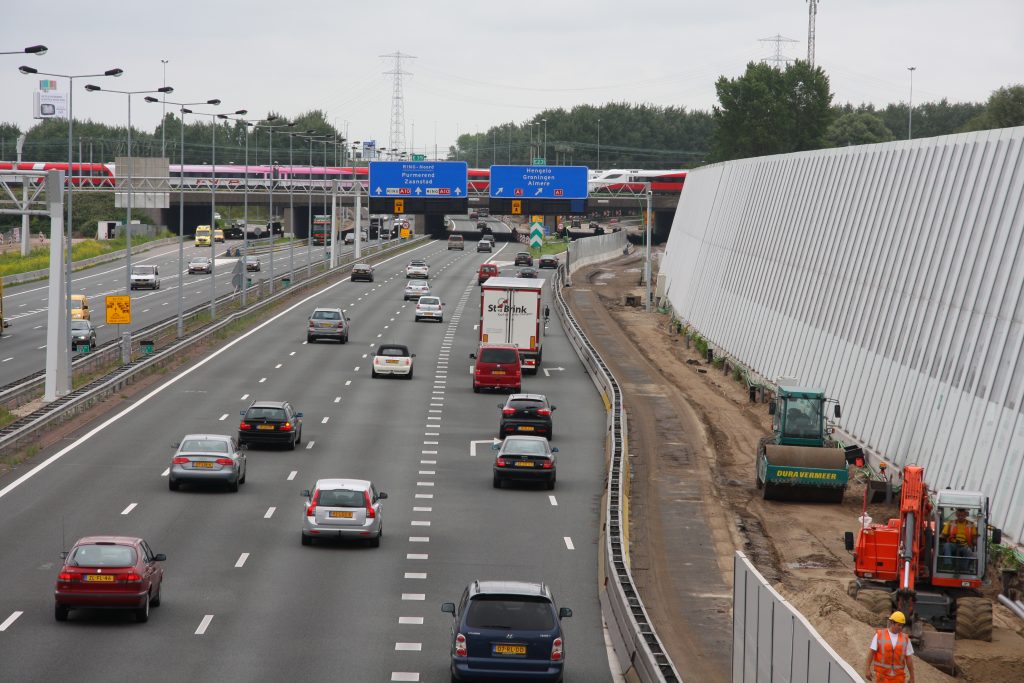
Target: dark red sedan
109,572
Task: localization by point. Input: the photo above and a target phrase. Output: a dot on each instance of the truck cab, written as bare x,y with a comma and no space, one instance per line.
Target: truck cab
204,235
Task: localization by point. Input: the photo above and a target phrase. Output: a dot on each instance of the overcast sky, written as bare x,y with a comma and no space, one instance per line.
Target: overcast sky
485,63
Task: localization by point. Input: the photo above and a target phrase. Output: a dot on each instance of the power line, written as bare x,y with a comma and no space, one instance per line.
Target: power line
397,139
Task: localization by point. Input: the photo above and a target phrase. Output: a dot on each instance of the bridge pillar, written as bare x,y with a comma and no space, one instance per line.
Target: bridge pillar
662,225
433,226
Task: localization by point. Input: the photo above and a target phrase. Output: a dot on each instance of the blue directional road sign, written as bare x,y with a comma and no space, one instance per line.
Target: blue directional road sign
419,179
538,182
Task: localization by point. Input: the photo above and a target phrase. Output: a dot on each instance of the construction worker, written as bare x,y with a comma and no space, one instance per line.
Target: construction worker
959,536
891,654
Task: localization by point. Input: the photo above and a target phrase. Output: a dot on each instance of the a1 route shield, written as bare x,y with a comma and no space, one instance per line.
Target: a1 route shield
538,182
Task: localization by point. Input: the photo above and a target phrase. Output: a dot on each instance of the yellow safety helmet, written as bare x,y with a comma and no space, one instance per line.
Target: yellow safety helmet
898,617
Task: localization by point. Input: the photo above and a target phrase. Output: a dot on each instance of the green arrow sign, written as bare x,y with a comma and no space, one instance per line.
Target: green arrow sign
536,235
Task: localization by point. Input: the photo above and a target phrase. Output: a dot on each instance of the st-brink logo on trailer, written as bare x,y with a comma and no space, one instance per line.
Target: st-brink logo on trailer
502,307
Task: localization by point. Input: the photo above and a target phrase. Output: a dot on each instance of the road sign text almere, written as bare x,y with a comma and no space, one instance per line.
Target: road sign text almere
540,189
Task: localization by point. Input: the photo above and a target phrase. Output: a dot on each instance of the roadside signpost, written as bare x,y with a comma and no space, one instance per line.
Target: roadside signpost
119,310
418,187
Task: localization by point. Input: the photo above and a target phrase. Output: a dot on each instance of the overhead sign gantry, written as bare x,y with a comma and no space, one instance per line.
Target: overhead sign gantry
419,187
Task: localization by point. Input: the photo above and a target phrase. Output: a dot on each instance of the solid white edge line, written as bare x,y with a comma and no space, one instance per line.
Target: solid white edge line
174,380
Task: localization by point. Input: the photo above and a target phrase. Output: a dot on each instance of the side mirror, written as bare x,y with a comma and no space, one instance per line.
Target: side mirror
997,536
771,408
242,413
554,449
448,607
64,554
848,541
554,408
160,557
472,355
244,447
175,444
495,446
412,355
382,495
838,412
347,319
305,493
564,612
298,414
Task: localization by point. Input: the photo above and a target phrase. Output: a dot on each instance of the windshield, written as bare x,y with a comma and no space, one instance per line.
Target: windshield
393,351
508,356
205,445
80,325
76,303
803,418
144,270
340,498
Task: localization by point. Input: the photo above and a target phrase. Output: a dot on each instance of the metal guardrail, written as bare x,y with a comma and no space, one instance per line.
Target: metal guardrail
636,644
25,427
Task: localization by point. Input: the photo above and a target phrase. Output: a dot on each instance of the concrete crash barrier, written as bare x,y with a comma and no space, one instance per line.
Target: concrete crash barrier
32,275
638,649
772,641
587,250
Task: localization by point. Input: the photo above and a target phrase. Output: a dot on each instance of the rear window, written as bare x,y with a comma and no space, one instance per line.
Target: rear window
326,315
455,238
265,414
510,613
429,301
525,446
341,499
524,404
392,351
102,556
499,356
205,445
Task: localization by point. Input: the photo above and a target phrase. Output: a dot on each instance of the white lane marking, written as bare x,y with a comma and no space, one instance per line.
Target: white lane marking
241,560
292,353
223,417
7,359
429,443
428,452
129,509
410,620
244,396
404,676
269,513
431,434
428,472
204,624
262,380
278,366
291,475
428,462
568,543
386,326
553,500
419,522
337,399
14,617
422,509
424,483
365,355
434,411
379,336
419,539
424,495
356,369
165,472
414,596
326,418
347,382
309,445
417,556
471,369
408,647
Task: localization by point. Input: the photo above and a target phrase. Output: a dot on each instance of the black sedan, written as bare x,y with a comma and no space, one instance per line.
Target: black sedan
523,258
252,264
525,458
270,422
82,333
548,261
527,272
526,414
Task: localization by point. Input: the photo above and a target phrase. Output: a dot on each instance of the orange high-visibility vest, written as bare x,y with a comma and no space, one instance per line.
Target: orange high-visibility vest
890,661
959,532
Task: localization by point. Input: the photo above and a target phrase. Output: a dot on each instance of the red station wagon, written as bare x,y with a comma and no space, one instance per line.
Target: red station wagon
109,572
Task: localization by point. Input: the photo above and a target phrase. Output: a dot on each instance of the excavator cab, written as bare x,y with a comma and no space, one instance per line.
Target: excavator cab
959,559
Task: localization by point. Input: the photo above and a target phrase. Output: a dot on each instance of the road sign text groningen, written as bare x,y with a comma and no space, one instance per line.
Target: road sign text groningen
543,182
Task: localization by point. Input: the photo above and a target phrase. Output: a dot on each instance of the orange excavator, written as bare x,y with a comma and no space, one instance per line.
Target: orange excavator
914,564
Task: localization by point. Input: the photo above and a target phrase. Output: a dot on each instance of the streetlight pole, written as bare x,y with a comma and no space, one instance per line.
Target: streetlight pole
163,121
545,140
647,241
181,198
131,174
114,73
599,143
38,50
910,108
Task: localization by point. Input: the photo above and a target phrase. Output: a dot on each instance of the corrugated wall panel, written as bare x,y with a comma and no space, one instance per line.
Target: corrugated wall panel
892,275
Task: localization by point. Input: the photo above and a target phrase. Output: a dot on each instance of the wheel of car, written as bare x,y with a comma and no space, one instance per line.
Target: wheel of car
416,318
233,486
476,389
173,485
518,389
60,612
409,376
550,484
155,602
344,340
142,613
375,541
244,472
291,445
298,437
496,482
309,339
306,540
373,374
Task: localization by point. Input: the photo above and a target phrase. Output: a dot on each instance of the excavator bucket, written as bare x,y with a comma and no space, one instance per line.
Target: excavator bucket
804,473
936,648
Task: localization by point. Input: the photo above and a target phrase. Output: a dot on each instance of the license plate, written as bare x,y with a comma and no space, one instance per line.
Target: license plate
526,429
524,463
203,464
392,362
504,649
99,578
336,514
323,324
266,427
499,372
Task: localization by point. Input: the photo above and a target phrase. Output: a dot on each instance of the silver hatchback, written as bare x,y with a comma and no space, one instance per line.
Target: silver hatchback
207,459
343,508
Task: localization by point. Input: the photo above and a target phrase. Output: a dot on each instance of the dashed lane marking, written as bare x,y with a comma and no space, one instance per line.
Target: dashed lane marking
204,624
128,509
568,543
291,475
241,560
14,617
269,513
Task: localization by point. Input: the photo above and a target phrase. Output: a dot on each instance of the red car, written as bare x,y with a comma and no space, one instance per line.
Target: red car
109,572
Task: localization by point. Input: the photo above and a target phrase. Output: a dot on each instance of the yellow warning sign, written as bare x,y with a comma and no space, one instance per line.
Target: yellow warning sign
404,233
119,310
517,207
536,219
399,206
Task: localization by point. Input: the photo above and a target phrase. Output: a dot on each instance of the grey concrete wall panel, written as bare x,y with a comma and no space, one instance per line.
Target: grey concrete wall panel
588,250
893,276
772,642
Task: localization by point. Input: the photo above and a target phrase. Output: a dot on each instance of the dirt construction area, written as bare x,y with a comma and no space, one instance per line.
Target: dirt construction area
693,434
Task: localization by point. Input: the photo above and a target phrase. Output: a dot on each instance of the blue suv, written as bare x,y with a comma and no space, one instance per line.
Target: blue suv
507,630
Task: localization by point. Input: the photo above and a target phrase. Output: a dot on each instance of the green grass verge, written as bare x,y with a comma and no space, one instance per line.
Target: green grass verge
13,263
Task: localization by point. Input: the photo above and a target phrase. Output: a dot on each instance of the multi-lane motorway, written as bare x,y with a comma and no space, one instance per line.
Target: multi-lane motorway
22,347
243,599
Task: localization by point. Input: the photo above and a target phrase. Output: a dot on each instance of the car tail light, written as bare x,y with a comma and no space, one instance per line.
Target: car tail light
286,427
547,465
500,462
406,361
460,645
244,426
68,576
225,461
341,325
131,577
508,411
370,512
311,509
556,650
180,461
544,412
311,325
